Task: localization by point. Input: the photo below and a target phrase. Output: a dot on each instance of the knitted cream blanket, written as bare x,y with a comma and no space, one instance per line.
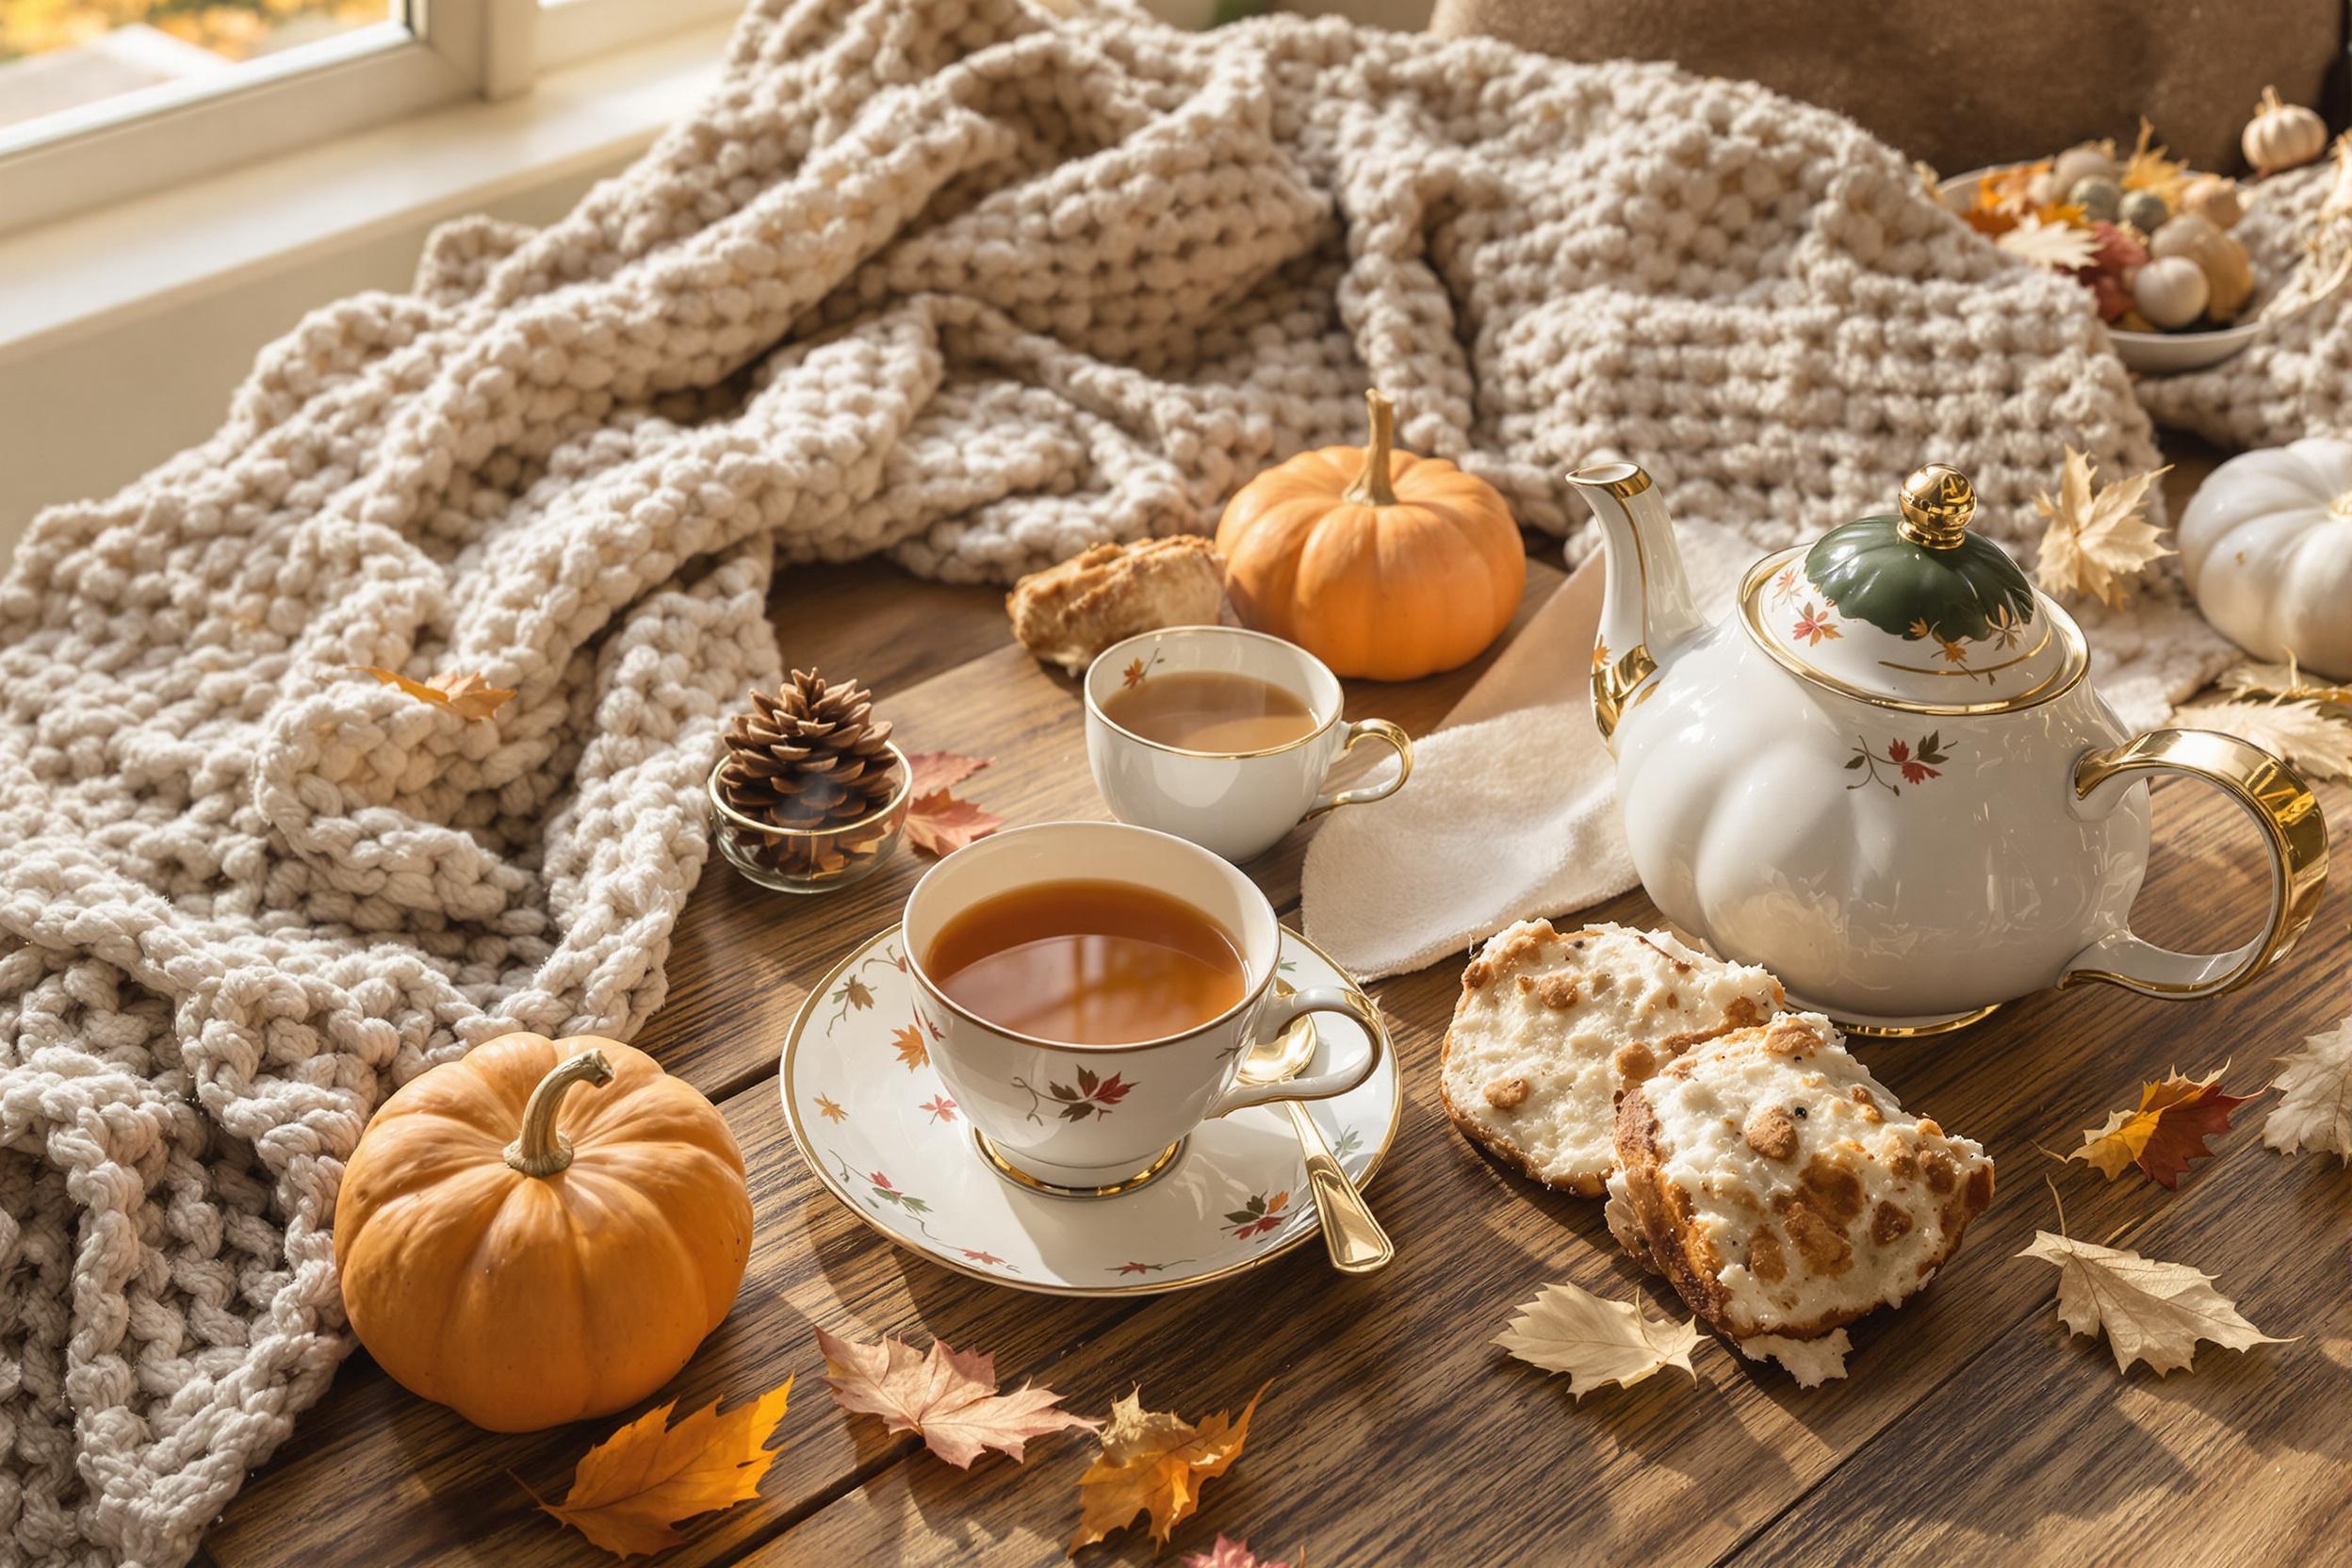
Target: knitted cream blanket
972,282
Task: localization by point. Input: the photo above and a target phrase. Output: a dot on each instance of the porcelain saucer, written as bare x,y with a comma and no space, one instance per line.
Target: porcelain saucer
874,1120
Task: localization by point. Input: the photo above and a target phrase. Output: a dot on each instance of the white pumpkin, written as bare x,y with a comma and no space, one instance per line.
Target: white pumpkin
2266,546
2281,135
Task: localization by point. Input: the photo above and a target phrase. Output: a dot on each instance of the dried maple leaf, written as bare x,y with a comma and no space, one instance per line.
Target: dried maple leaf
631,1488
938,823
2315,1085
2152,1312
2148,169
948,1398
1230,1553
2255,678
468,695
2176,1118
2094,540
2060,246
1154,1461
1596,1341
935,771
2302,733
2010,190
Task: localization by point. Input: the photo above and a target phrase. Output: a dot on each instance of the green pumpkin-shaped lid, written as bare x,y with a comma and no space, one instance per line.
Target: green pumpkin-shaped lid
1915,611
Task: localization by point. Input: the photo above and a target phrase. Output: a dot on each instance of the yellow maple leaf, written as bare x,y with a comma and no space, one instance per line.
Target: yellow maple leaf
467,695
1596,1341
1154,1461
2097,538
633,1487
2148,169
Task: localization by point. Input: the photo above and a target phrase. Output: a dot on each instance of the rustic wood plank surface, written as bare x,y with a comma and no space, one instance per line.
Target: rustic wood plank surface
1394,1432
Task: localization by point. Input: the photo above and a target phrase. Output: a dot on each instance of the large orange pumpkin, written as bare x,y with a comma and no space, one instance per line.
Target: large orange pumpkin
541,1231
1377,561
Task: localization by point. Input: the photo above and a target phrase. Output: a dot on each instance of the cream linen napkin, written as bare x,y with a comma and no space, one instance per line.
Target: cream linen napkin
1512,810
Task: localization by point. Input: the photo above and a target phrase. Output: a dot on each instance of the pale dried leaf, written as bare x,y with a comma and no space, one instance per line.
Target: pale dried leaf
2302,733
2059,246
2314,1084
948,1397
2097,538
2255,678
1597,1341
2150,1311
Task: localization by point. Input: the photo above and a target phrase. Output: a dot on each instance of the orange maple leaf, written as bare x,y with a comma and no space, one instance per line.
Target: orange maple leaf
948,1398
830,1111
467,695
1155,1461
2175,1120
633,1487
938,823
912,1049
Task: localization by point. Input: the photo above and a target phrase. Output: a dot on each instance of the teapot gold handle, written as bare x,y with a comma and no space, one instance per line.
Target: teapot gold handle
2280,804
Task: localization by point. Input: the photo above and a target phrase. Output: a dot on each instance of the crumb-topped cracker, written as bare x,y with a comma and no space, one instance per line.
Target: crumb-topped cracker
1552,1025
1782,1189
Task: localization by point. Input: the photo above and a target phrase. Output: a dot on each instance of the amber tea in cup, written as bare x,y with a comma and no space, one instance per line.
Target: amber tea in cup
1212,710
1088,963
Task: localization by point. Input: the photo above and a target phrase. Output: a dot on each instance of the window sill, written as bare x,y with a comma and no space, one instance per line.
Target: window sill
114,265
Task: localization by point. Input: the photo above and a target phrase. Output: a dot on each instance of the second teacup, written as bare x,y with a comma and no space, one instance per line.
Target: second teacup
1223,736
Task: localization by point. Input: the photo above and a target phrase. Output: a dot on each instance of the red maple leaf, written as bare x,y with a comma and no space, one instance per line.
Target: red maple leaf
1111,1090
941,1107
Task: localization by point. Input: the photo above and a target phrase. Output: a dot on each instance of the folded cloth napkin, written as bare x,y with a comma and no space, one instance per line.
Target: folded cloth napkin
1512,811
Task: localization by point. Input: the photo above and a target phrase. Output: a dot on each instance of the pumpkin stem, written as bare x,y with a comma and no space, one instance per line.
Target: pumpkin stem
1372,488
541,1151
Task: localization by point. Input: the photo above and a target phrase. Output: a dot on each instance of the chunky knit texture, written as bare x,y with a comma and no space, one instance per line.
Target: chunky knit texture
976,283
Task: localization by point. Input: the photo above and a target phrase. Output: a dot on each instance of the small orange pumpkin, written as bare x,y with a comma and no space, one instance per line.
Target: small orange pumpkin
528,1254
1377,561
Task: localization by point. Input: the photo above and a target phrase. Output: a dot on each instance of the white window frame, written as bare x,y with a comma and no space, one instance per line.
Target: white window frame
449,51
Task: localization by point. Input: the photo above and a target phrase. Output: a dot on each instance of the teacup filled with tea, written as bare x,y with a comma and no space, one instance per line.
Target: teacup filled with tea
1095,987
1223,736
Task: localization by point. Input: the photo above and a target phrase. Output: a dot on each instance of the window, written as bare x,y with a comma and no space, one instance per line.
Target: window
101,100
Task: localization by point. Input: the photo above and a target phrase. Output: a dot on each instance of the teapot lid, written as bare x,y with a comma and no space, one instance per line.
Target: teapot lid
1915,611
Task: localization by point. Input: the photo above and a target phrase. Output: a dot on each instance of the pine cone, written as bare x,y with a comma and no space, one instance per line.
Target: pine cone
812,756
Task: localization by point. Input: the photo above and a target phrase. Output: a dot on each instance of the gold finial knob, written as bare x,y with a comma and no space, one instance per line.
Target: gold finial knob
1937,502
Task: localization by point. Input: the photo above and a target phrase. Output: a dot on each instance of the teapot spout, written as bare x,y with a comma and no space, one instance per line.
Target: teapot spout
1647,614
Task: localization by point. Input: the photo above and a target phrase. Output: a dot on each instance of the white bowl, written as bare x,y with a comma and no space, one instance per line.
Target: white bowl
2148,353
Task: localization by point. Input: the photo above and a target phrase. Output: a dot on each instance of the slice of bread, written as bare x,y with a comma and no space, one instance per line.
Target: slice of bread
1552,1026
1783,1190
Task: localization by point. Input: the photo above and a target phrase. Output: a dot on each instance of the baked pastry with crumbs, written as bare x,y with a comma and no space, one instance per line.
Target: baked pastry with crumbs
1785,1192
1553,1026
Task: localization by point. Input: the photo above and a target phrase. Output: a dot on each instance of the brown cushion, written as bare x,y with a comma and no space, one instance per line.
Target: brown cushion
1991,81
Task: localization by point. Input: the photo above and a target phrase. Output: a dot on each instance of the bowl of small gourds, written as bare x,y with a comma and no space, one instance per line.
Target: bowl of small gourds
2150,237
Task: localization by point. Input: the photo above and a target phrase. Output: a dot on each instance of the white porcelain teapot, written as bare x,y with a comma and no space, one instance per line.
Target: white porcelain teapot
1885,777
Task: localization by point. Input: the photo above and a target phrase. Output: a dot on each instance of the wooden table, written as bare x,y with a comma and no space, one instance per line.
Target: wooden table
1972,1426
